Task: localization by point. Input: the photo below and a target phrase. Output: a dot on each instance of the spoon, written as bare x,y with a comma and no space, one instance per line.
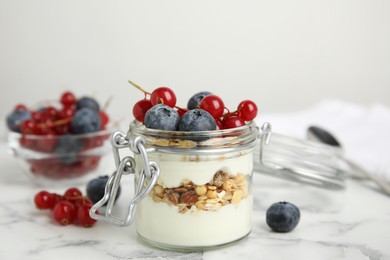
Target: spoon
318,134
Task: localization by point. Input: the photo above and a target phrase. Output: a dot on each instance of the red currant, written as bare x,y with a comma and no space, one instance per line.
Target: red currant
213,104
83,201
232,122
140,108
20,107
67,112
104,119
68,99
45,128
73,194
29,127
163,95
64,212
83,217
247,110
50,113
37,116
44,200
182,111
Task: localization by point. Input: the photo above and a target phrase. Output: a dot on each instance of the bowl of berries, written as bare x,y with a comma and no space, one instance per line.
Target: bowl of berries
59,141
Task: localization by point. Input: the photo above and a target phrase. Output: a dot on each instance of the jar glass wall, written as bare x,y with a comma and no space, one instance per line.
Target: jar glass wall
203,195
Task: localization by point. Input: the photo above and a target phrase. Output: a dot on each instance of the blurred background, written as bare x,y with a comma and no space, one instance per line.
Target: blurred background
284,55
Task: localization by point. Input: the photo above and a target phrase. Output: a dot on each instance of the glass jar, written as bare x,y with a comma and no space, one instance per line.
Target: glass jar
193,190
203,195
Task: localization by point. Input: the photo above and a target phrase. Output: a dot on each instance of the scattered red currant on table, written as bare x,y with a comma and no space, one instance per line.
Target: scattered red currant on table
158,110
72,207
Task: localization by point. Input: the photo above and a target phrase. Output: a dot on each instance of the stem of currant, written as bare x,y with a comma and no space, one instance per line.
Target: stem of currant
56,123
107,103
138,87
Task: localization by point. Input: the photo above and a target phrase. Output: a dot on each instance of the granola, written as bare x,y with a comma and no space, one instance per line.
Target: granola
222,190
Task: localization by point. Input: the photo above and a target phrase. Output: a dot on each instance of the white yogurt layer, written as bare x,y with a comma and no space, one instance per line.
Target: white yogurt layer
200,170
161,223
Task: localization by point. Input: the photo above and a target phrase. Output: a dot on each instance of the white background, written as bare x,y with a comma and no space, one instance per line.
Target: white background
285,55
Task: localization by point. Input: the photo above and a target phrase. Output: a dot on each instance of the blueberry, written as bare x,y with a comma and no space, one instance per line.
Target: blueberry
87,102
67,148
16,118
195,99
95,189
282,216
197,120
85,121
162,117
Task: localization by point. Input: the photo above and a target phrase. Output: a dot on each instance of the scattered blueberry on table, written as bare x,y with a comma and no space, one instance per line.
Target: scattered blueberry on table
95,188
282,216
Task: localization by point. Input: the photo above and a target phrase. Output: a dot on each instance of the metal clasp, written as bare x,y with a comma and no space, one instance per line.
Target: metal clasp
147,179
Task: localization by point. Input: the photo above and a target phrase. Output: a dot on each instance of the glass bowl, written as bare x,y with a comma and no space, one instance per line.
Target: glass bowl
59,159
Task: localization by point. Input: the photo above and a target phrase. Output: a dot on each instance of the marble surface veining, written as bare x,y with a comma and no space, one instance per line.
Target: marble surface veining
351,224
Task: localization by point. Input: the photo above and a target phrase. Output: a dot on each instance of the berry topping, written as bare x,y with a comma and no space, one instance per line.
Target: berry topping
194,101
162,117
140,108
86,120
197,120
163,95
247,110
212,104
147,111
282,216
232,122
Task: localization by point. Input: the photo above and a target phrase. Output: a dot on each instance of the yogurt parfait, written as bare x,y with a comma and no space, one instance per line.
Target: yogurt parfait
193,174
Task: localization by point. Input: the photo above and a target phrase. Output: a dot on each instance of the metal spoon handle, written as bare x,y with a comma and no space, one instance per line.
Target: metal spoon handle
381,184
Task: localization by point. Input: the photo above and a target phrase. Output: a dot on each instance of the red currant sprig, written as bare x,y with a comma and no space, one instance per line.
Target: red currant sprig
213,104
140,108
68,99
232,122
161,95
246,111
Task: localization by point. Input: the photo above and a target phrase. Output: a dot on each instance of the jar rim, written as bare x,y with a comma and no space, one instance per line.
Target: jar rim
224,138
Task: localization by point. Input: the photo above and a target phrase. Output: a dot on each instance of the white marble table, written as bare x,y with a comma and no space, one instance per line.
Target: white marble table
352,224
